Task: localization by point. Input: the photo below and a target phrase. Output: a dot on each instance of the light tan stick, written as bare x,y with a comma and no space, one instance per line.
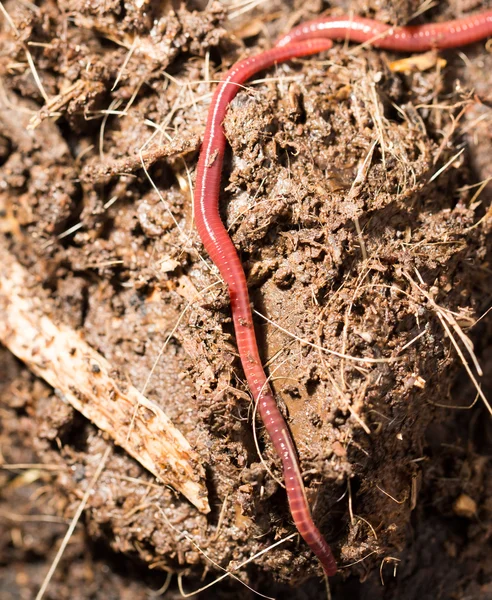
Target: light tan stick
85,380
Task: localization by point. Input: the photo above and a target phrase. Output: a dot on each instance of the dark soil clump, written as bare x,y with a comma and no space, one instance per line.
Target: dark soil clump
353,194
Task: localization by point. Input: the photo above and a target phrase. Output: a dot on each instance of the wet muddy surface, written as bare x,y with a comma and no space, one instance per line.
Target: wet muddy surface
353,193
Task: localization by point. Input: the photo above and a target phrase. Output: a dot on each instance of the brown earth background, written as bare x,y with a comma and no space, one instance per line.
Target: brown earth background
352,240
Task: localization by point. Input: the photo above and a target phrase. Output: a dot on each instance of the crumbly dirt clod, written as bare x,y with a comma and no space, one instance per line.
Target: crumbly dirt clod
353,194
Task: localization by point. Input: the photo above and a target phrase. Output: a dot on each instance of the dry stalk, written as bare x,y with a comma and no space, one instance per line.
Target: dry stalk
85,379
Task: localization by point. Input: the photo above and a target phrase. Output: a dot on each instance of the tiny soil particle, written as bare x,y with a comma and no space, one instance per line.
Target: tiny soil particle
354,196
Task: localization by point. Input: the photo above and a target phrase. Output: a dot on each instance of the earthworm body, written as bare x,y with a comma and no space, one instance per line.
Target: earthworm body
306,39
412,38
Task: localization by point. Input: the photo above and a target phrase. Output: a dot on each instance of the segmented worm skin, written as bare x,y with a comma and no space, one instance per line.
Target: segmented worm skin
304,40
219,245
412,38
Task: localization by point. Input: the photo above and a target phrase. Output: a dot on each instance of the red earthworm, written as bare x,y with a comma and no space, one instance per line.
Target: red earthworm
303,40
221,249
410,38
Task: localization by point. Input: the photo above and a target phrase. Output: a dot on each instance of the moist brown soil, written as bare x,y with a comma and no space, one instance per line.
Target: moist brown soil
350,242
